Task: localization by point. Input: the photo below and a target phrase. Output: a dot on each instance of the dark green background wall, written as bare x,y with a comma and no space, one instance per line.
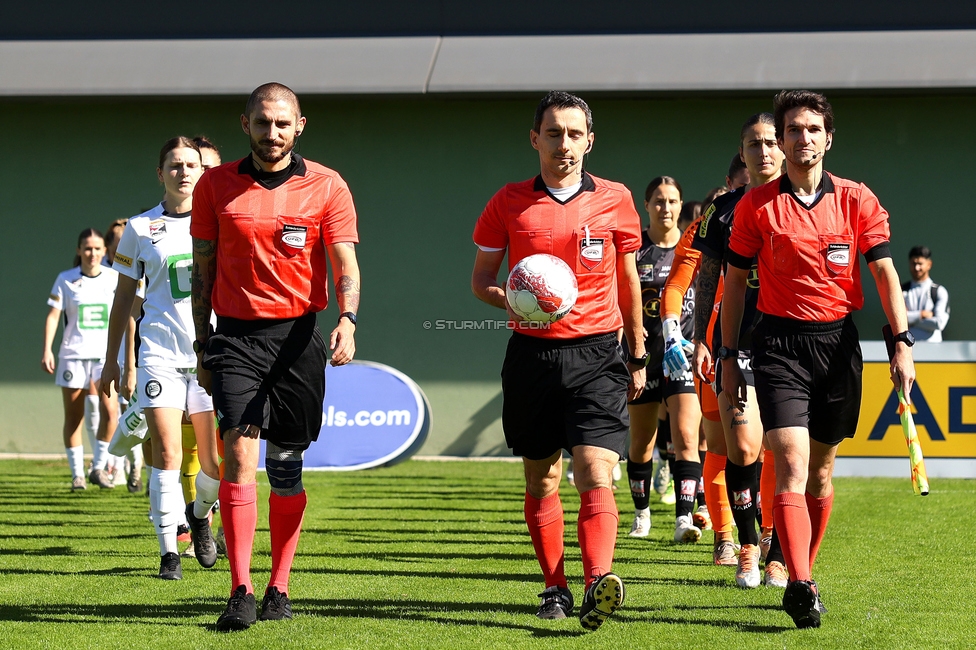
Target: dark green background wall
421,169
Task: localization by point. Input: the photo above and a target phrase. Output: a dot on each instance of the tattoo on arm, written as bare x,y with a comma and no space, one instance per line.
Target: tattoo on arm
708,276
347,289
202,280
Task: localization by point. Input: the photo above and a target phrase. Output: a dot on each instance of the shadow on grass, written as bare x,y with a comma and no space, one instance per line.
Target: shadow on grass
428,612
186,613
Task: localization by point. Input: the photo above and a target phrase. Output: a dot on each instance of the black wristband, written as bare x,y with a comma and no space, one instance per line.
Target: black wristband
348,314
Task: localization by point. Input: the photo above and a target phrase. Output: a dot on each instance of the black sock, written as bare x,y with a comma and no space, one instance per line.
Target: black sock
759,503
639,475
775,551
742,484
664,447
687,475
700,498
663,438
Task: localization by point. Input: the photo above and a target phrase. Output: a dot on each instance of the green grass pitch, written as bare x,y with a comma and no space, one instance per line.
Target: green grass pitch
436,555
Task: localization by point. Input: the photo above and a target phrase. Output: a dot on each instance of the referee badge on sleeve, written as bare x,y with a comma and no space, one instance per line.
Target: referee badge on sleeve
838,257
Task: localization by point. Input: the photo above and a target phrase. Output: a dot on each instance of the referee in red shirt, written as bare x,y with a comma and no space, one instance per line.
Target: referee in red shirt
806,230
262,228
567,387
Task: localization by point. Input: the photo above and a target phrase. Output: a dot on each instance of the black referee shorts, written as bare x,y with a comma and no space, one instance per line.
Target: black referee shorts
562,393
808,374
271,374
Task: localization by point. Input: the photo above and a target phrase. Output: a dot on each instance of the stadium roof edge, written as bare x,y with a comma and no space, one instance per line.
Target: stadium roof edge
875,60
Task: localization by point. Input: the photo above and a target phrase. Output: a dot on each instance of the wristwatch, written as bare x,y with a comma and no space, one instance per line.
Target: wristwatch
348,314
727,353
905,337
198,346
637,361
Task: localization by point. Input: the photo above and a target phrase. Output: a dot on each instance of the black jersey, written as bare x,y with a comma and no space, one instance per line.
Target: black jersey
712,239
653,267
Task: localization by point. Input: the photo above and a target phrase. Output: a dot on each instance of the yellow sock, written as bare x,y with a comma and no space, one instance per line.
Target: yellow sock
191,464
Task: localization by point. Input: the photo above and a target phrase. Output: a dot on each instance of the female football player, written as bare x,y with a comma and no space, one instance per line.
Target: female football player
662,200
84,295
156,245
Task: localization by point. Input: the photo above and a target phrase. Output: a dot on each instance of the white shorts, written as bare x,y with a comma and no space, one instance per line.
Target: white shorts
77,373
174,388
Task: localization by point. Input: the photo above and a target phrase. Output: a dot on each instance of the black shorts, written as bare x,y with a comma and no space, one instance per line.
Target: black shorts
271,374
679,387
562,393
745,365
653,390
808,375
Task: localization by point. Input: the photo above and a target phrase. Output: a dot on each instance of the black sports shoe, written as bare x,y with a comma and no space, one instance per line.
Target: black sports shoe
602,599
240,613
169,567
557,602
801,602
275,606
203,541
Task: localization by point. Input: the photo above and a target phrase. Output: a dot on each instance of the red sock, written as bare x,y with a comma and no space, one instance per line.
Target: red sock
597,531
819,508
716,498
239,513
285,519
793,527
544,517
767,489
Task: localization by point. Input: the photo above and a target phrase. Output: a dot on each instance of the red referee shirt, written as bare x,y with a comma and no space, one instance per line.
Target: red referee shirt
271,238
525,218
808,255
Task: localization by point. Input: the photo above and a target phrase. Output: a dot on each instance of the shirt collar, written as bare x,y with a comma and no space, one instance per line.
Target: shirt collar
587,185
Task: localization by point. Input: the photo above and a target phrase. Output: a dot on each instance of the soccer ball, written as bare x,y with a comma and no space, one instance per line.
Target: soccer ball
541,288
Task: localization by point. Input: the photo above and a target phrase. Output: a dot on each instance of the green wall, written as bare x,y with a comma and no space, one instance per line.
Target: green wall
421,169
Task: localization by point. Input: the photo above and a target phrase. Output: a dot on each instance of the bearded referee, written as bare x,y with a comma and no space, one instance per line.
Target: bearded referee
806,230
566,387
262,228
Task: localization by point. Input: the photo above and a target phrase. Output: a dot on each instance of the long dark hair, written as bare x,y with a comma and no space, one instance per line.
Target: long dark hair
85,234
658,182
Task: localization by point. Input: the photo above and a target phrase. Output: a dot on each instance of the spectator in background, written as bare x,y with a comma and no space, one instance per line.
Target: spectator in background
927,302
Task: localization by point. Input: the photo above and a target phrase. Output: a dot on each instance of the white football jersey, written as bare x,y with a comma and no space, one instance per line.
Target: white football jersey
85,302
159,248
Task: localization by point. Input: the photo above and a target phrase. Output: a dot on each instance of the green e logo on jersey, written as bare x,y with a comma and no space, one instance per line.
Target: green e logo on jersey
92,317
179,275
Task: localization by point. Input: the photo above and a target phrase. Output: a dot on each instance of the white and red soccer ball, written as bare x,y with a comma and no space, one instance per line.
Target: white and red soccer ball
541,288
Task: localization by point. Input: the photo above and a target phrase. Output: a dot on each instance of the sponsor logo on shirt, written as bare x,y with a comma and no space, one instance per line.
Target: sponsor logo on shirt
123,260
294,236
157,229
93,317
838,257
703,228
